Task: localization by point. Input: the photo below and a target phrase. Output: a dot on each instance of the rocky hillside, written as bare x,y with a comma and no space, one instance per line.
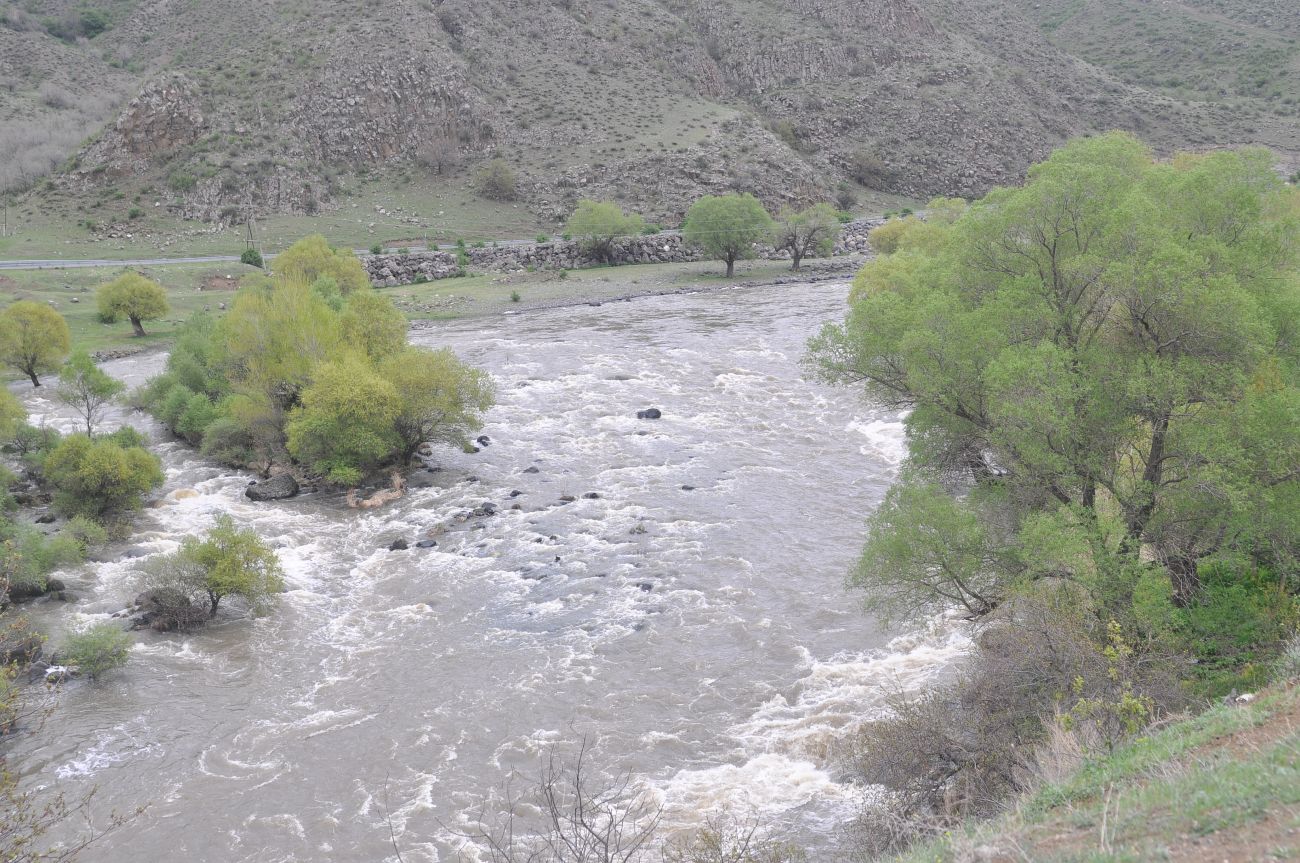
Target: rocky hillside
241,108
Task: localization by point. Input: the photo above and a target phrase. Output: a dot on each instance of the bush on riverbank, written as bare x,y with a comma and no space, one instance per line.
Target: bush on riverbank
315,373
1104,386
101,478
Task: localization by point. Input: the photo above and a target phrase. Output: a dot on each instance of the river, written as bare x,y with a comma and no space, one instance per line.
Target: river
691,623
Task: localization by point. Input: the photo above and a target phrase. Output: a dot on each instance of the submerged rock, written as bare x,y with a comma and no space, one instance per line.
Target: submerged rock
427,543
649,414
275,488
398,545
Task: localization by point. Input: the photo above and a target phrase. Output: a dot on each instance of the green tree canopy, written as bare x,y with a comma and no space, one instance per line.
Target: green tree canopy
102,477
345,426
312,258
134,297
371,323
812,231
1113,350
12,415
234,561
33,338
597,224
87,389
440,399
727,227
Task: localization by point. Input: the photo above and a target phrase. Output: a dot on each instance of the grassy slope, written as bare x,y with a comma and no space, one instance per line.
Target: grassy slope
1224,785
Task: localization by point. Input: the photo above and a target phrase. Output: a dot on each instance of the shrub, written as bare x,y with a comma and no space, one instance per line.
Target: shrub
97,649
885,239
252,257
599,224
866,167
496,180
651,229
135,213
180,181
542,238
376,249
100,478
514,296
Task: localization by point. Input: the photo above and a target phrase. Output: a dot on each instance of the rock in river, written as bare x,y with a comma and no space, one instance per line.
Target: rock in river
275,488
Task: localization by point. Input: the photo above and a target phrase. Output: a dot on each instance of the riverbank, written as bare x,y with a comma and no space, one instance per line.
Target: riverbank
197,287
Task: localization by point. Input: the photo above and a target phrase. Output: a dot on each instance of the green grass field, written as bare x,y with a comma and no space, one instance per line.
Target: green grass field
195,287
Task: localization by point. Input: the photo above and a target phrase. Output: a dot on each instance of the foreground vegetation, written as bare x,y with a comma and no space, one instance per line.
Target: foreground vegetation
1103,376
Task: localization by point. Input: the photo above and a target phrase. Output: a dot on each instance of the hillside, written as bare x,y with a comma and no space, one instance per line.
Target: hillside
1223,785
297,107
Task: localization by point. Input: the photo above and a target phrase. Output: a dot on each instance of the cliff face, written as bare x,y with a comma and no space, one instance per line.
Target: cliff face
248,107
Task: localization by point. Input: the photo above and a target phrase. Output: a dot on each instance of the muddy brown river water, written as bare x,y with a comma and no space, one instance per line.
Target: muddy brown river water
691,623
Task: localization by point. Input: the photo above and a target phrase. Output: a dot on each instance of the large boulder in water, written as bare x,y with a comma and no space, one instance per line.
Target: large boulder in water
649,414
275,488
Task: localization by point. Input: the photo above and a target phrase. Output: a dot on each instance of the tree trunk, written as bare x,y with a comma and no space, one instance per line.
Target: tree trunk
1184,577
214,598
136,325
795,256
731,265
31,373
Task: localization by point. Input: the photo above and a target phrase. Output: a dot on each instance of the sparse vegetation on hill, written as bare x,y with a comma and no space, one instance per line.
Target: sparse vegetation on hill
647,103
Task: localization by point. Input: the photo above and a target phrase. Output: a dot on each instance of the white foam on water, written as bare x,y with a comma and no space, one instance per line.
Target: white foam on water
126,741
786,746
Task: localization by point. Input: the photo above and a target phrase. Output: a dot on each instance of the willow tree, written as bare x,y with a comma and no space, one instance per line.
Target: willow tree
1105,361
727,227
33,339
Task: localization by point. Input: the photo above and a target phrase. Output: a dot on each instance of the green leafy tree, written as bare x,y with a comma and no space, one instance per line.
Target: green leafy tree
13,416
312,257
371,323
234,561
87,389
597,224
1112,349
33,338
97,649
440,399
812,231
101,477
345,427
134,297
727,227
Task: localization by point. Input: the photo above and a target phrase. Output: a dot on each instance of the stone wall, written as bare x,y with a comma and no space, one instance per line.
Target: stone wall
388,270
